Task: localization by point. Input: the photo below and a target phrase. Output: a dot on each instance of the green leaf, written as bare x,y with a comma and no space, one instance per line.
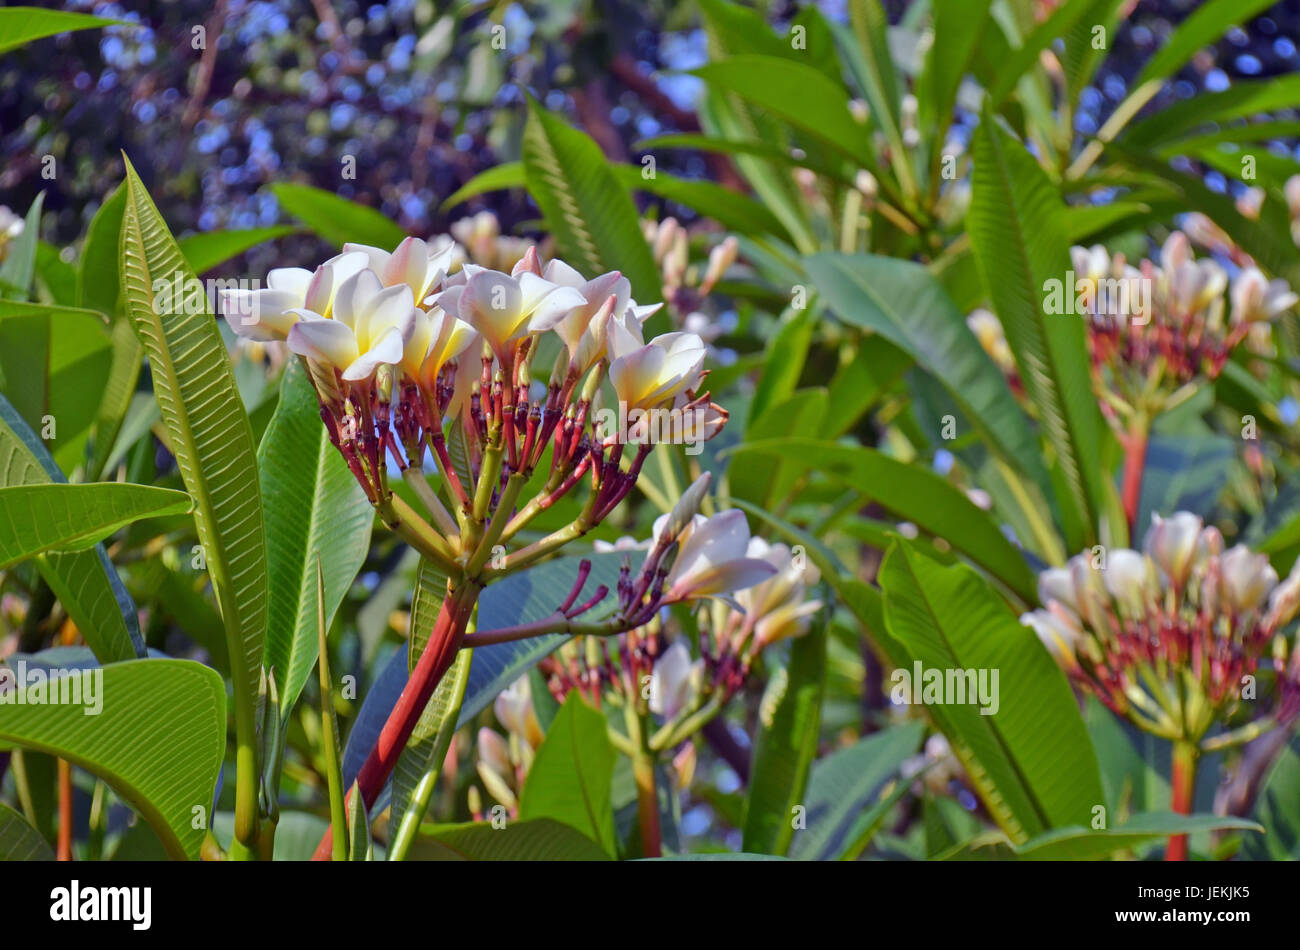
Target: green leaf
541,839
1061,21
786,745
501,177
1016,230
21,25
1085,844
1081,57
421,760
914,494
19,841
1207,23
210,437
361,847
801,95
958,28
1243,99
1184,472
99,279
871,63
908,306
20,259
213,248
1031,760
55,365
336,219
734,211
61,517
572,773
843,789
591,215
314,509
85,582
158,739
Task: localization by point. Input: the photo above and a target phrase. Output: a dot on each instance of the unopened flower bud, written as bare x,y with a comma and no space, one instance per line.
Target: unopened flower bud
1247,578
1171,543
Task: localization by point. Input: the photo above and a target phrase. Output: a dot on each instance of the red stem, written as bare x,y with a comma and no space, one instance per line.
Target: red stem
64,851
1182,778
1135,459
439,652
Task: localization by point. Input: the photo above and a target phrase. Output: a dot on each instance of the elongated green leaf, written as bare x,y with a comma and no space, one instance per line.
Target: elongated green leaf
915,494
958,28
119,390
866,52
734,211
592,217
1207,23
85,581
1061,21
786,746
541,839
1243,99
19,841
1082,54
336,219
571,775
54,517
800,94
501,177
210,434
213,248
361,847
843,788
904,303
21,25
421,761
99,279
20,258
158,738
314,509
1030,758
1015,224
1086,844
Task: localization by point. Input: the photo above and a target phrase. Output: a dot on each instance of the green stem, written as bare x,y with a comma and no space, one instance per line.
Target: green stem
643,772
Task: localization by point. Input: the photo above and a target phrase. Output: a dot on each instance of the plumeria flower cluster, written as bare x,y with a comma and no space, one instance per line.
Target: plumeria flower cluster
1156,329
418,356
404,346
743,594
1171,637
686,286
504,760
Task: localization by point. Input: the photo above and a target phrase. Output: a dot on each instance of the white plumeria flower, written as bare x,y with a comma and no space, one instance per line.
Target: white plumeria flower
776,607
1171,543
371,324
268,314
1059,636
437,339
646,375
1247,577
1128,578
672,681
514,710
712,557
583,329
415,263
503,308
1254,297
